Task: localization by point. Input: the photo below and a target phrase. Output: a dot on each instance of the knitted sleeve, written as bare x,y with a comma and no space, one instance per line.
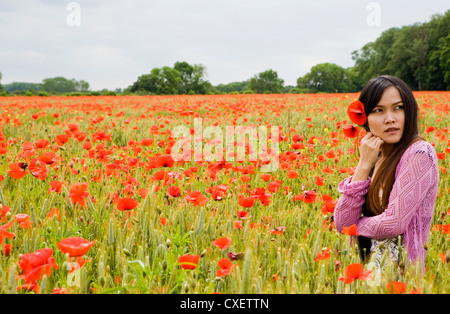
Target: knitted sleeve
414,183
349,206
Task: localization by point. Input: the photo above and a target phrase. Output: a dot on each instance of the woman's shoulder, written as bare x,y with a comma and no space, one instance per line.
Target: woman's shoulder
421,146
418,148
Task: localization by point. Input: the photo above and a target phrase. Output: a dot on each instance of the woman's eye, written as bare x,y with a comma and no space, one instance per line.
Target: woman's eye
399,107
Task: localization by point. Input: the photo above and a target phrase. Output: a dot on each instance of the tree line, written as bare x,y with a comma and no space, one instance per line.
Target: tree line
419,54
50,86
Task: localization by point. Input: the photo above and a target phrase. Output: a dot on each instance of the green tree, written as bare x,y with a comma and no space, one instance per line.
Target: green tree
183,78
198,84
417,54
233,87
266,82
22,86
327,78
444,59
1,86
81,86
186,71
61,85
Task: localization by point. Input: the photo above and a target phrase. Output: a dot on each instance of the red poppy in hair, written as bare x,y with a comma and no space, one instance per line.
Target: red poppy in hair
356,113
351,131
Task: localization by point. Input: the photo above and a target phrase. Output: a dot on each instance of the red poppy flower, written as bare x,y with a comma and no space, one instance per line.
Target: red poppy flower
23,220
246,202
3,211
298,138
351,230
328,206
319,181
242,214
54,212
56,186
266,177
274,186
78,193
306,196
292,174
38,169
41,143
196,198
396,287
38,272
40,257
222,243
226,266
165,161
188,261
355,271
217,194
21,217
7,249
4,233
61,139
49,158
127,203
75,246
17,170
173,191
356,113
87,145
325,254
261,195
350,130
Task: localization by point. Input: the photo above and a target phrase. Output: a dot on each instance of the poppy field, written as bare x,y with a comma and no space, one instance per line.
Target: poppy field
92,201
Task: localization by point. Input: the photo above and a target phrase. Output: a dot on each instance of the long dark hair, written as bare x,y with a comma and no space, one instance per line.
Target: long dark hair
385,177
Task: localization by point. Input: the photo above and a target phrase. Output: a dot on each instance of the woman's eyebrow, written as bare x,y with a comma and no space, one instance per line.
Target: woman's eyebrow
400,101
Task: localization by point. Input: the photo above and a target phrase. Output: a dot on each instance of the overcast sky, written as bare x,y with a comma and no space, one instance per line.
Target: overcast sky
110,43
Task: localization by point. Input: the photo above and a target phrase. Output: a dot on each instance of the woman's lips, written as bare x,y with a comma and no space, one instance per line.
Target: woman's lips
392,130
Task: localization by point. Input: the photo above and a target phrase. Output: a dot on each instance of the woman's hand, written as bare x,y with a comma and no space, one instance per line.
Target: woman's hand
369,150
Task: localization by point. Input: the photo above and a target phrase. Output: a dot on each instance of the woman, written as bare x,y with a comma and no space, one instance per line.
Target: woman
395,183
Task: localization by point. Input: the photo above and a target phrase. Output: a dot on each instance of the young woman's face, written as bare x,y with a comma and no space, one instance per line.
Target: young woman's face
387,118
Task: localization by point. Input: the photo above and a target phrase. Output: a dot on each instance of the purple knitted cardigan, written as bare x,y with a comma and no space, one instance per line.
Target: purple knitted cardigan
410,207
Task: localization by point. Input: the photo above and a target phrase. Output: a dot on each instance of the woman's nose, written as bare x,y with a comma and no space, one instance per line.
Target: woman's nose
389,117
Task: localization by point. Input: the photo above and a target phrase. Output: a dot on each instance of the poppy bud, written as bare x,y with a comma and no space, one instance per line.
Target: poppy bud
126,252
164,265
203,253
168,243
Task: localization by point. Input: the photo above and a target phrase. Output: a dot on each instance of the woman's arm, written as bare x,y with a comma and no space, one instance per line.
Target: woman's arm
349,206
410,188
